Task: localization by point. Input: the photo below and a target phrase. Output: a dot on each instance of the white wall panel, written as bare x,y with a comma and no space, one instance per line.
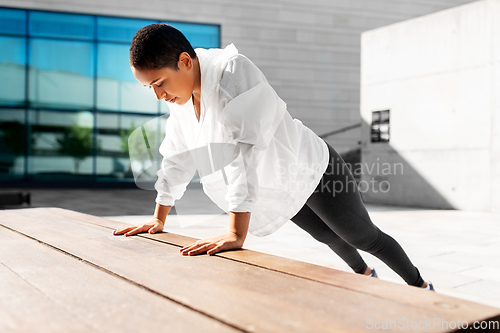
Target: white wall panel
438,75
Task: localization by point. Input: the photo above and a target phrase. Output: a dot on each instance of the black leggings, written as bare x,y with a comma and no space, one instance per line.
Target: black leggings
335,215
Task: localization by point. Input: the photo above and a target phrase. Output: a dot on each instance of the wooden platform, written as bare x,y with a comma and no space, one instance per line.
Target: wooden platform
62,271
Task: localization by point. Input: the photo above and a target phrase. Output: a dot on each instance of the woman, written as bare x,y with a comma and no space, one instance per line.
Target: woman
255,161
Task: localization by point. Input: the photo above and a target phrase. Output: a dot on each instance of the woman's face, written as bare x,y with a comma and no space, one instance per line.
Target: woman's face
173,86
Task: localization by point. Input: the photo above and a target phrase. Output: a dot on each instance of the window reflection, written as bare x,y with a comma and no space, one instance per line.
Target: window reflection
12,69
117,88
380,126
61,74
46,24
78,70
113,131
12,141
62,145
12,21
199,35
113,29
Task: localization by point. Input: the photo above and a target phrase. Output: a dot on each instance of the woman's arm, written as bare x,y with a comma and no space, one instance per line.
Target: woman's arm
251,112
238,224
161,212
154,226
232,240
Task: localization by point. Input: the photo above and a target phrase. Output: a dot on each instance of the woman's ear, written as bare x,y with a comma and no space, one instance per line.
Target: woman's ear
185,61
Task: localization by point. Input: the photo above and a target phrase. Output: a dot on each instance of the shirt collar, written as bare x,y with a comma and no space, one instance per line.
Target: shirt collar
212,64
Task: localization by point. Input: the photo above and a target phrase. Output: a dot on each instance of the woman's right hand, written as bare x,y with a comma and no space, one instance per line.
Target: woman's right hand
156,225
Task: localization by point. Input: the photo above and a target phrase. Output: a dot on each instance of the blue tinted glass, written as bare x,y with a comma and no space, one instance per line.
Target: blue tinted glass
61,145
11,144
61,73
61,25
117,88
112,29
12,21
112,62
199,35
113,130
13,50
12,70
63,56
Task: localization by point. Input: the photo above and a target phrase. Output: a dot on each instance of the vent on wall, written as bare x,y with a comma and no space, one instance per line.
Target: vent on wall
380,126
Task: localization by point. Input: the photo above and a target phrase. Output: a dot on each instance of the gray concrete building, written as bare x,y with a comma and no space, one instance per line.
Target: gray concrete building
438,76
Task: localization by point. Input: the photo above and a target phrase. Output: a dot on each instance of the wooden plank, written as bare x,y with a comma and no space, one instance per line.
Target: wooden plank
442,305
44,290
245,296
23,308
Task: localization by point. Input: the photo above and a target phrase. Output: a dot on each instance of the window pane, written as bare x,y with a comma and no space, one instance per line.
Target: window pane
62,145
113,162
380,126
61,74
199,35
11,144
12,21
44,24
117,88
12,71
110,29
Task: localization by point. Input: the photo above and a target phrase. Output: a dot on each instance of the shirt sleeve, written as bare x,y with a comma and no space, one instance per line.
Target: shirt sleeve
252,111
177,166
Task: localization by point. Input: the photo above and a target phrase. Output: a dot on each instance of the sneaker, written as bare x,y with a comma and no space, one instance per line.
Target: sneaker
373,273
430,286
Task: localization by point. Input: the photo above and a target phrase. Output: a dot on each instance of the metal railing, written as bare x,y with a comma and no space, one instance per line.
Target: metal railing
340,130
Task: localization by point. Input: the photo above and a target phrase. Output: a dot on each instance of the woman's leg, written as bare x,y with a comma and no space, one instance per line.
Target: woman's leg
307,220
338,203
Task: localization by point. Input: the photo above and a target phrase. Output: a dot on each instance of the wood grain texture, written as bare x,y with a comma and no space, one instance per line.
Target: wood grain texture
23,308
44,290
442,305
244,289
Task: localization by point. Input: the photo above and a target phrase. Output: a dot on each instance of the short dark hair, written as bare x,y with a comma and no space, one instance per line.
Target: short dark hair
157,46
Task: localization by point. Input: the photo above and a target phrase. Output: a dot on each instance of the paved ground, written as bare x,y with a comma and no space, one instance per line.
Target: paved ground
456,250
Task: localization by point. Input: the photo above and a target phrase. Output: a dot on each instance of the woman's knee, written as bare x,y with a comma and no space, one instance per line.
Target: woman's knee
370,242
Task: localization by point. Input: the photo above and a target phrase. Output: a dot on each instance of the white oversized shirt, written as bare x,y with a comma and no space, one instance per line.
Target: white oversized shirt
251,155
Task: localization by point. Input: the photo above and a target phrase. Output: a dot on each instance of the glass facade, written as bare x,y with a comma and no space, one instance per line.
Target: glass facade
68,100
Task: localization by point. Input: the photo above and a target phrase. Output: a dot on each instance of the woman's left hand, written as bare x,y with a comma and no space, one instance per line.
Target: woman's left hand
228,241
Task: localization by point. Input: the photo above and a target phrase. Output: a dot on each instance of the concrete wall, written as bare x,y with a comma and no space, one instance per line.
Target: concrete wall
309,50
439,76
